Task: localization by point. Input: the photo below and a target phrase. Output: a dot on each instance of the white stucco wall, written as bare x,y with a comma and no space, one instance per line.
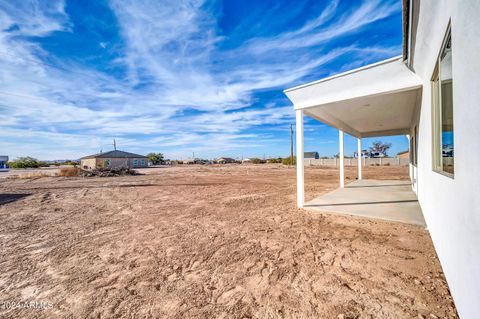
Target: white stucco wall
452,206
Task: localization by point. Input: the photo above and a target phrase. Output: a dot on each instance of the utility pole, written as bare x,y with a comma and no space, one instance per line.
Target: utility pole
114,145
291,144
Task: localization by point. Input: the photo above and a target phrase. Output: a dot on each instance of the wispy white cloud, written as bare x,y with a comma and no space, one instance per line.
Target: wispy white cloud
318,31
180,90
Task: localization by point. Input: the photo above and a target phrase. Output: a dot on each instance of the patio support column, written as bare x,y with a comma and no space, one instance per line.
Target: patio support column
300,173
340,156
359,157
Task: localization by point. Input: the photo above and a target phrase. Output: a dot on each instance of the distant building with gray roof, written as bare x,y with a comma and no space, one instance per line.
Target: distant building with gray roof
114,160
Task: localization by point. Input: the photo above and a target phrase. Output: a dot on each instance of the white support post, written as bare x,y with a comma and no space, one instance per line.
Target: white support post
341,157
359,157
300,169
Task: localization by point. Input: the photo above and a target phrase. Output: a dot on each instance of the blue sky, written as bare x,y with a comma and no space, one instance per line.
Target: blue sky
178,76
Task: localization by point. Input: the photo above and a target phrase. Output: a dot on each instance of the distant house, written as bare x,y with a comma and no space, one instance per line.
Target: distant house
246,161
3,163
377,155
365,154
113,160
195,161
311,155
404,154
225,160
189,161
369,154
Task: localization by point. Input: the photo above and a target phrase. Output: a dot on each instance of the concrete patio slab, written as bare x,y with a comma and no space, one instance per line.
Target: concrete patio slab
391,200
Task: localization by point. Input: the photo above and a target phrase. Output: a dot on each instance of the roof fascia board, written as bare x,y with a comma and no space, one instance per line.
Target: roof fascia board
385,78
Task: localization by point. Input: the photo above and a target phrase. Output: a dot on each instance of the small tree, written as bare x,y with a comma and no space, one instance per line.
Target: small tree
379,146
155,158
25,162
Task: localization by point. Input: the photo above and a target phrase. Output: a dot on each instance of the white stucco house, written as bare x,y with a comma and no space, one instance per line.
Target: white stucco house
431,94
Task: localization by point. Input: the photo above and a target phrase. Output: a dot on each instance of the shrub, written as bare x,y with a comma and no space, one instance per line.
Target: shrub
257,161
69,172
25,162
72,163
275,160
155,158
287,161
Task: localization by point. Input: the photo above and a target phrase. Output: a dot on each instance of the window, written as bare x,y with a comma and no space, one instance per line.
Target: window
106,163
143,162
442,111
135,163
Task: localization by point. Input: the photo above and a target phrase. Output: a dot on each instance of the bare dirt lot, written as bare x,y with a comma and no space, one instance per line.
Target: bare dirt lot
208,242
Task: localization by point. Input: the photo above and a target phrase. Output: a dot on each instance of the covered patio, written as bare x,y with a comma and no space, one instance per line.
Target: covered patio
376,100
391,200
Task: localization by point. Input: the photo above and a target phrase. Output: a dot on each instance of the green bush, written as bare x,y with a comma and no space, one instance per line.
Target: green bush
258,161
155,158
72,163
25,162
287,161
69,171
275,160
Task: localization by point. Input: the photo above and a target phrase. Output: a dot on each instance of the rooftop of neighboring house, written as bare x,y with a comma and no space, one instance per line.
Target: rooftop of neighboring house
310,154
114,154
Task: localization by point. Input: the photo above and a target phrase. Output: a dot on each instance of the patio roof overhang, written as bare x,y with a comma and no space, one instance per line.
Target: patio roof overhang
376,100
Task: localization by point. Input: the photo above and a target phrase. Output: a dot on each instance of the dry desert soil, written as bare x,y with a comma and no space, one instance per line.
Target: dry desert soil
208,242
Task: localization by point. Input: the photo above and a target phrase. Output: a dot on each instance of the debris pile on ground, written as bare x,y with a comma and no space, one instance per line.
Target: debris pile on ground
108,172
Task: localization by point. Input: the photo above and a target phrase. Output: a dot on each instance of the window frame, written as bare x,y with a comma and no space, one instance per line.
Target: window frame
436,88
413,157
